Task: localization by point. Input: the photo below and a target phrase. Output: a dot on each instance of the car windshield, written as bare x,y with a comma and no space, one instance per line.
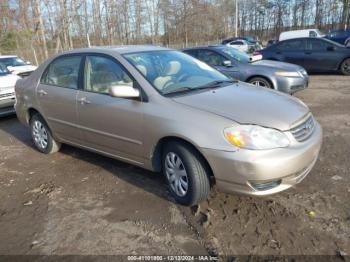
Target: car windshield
175,72
12,61
4,70
236,54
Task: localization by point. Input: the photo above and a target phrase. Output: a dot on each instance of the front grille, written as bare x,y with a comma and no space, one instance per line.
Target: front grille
294,88
262,186
7,95
304,130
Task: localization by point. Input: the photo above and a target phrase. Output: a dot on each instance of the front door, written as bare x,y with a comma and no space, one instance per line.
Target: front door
319,55
216,60
111,125
56,93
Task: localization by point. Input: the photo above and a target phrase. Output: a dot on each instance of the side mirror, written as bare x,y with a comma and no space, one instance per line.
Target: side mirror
331,48
227,63
124,91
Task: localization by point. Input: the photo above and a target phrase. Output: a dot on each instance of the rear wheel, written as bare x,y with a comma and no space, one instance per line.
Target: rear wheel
345,67
186,173
259,81
42,136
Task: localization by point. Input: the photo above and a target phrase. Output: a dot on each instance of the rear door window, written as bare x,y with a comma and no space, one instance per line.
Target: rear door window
291,45
63,72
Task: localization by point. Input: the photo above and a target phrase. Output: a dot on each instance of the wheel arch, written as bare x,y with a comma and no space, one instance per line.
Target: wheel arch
31,112
159,147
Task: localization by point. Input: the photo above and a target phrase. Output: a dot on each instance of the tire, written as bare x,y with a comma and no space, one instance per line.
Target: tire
187,166
42,136
345,67
260,81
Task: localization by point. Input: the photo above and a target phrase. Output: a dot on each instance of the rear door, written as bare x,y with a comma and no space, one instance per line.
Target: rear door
110,124
291,51
56,94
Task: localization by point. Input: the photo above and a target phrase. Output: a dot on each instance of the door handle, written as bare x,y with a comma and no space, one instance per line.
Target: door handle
84,101
308,52
42,92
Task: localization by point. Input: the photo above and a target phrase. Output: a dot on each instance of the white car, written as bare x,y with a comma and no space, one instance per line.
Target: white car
300,33
240,45
7,91
17,66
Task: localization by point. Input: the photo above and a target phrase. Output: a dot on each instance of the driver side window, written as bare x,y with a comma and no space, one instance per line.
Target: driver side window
211,58
101,73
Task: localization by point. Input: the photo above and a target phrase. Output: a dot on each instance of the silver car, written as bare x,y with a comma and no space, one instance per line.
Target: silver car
163,110
284,77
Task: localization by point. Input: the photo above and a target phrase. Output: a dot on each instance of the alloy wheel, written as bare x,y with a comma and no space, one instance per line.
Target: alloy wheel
258,83
40,134
346,66
176,174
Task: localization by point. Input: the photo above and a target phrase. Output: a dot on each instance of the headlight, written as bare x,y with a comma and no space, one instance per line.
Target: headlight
287,74
255,137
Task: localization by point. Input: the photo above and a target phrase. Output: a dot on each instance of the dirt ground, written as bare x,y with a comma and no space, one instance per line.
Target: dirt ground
77,202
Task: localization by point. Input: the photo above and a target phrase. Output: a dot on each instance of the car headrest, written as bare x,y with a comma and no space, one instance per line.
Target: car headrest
173,68
142,69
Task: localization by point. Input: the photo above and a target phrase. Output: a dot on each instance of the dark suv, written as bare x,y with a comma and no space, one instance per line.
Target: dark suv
340,36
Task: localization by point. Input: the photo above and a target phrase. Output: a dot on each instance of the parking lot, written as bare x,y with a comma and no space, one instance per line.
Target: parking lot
77,202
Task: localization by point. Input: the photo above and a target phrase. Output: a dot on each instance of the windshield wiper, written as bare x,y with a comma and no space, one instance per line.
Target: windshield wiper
215,84
211,85
179,90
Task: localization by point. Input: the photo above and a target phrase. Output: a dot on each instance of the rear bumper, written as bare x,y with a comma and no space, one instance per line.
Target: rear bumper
291,85
264,172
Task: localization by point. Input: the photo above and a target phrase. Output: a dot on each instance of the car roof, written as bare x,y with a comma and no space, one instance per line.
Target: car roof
307,38
7,56
123,49
204,47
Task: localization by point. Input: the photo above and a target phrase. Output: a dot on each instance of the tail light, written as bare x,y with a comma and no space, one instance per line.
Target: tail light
256,53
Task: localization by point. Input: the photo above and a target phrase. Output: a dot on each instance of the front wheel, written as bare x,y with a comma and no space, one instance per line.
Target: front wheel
186,173
259,81
345,67
42,136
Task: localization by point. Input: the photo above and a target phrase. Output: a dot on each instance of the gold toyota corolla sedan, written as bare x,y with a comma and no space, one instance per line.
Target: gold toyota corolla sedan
163,110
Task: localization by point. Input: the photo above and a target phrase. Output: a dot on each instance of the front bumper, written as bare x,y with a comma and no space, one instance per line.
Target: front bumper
291,85
264,172
7,105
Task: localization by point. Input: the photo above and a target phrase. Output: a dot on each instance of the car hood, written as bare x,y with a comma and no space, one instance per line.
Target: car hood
7,81
277,65
21,69
247,104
